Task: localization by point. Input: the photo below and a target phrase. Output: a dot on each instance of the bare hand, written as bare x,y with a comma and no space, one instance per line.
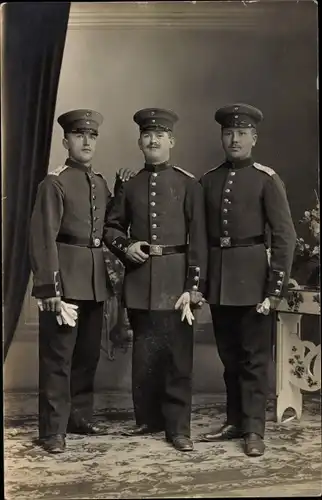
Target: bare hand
135,254
196,299
52,304
274,301
125,174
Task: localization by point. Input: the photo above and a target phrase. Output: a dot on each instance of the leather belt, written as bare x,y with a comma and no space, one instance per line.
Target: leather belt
80,242
228,242
159,250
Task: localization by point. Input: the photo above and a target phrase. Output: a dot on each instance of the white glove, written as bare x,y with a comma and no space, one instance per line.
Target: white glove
183,303
68,314
264,307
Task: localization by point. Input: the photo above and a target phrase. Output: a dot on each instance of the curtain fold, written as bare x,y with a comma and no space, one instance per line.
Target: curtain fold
33,41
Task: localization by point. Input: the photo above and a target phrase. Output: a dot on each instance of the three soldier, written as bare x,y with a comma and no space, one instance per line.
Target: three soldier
180,240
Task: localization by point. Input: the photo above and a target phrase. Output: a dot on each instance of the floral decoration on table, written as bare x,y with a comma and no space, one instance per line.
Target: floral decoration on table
306,265
294,300
305,361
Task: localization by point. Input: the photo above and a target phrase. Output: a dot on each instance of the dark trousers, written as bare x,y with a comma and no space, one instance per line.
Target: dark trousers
68,358
162,362
243,339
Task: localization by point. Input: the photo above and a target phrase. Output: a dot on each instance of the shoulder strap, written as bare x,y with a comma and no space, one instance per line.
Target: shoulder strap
189,174
262,168
58,170
212,169
100,174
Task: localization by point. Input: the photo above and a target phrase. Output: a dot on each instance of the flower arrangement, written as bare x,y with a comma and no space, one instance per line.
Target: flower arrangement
306,265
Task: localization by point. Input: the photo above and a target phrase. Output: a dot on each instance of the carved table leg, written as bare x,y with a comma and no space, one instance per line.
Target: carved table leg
288,394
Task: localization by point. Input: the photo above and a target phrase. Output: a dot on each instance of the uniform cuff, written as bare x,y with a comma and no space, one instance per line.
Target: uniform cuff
49,289
121,244
193,282
276,281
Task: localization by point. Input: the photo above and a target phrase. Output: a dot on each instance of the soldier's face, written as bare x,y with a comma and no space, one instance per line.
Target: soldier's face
238,142
156,145
81,146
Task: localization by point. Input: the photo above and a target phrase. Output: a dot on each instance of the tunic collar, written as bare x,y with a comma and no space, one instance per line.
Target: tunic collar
247,162
157,168
75,164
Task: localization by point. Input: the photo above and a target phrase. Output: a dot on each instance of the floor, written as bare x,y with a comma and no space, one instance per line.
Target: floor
113,466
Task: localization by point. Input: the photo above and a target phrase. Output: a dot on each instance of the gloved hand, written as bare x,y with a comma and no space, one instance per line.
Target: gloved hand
264,307
183,303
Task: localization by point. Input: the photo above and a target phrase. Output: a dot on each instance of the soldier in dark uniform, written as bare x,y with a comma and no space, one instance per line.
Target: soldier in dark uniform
157,228
67,262
244,201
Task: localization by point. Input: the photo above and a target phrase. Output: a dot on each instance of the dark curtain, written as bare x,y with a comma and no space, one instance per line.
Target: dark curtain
33,40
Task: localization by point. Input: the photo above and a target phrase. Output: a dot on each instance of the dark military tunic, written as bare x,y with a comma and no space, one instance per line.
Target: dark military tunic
67,259
246,211
163,206
66,234
243,201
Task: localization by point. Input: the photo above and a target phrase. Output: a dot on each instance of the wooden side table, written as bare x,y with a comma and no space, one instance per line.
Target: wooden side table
298,362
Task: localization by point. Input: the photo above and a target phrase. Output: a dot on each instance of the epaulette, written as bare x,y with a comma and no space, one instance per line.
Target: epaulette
262,168
212,169
189,174
100,174
58,170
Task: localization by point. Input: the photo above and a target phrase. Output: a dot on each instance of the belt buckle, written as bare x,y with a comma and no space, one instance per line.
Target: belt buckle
97,242
155,250
225,242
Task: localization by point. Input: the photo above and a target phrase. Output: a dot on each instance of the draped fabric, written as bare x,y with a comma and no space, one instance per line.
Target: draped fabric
117,332
33,40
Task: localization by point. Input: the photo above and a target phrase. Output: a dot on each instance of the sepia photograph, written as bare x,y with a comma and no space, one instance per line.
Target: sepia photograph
161,249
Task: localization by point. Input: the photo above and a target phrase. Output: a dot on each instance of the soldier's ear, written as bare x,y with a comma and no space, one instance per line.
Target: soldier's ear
172,141
254,134
65,143
140,142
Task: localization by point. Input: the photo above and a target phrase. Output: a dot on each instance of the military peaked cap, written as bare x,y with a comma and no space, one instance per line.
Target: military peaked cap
238,115
80,120
155,118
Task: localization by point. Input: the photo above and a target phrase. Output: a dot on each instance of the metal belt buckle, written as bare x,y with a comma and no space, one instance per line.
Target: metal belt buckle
225,241
97,242
155,250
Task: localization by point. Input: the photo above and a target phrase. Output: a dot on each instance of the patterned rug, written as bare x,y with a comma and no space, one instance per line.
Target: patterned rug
114,466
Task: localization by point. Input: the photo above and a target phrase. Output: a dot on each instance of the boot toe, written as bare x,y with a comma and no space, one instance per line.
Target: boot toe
182,443
254,445
226,433
54,444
